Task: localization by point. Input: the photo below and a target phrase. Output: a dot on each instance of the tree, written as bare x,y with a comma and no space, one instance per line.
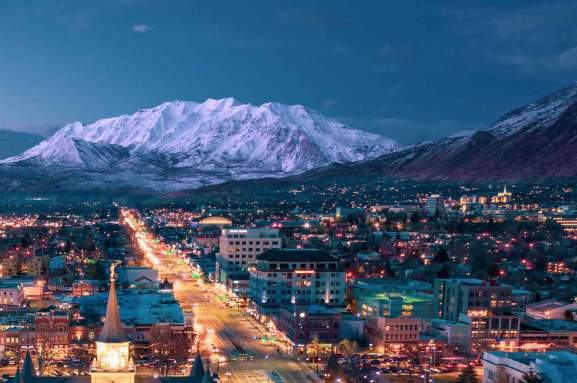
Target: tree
168,347
333,369
441,255
468,375
26,240
444,272
532,377
44,349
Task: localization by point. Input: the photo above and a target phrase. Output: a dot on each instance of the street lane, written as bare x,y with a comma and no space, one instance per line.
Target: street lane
219,327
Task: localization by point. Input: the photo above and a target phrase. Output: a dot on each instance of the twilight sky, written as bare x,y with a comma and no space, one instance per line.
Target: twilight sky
410,70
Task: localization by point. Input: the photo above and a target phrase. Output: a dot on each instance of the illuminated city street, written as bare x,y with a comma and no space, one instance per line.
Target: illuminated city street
225,332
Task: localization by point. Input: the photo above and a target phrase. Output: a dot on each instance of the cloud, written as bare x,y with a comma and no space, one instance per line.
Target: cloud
328,104
43,129
534,38
403,52
568,59
142,28
314,17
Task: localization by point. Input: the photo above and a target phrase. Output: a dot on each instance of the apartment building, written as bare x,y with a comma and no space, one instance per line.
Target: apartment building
295,276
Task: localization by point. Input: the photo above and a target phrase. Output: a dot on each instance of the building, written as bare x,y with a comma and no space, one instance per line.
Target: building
503,197
310,326
554,366
295,276
484,305
455,335
434,205
547,334
85,287
453,297
52,331
239,248
11,293
550,309
393,304
215,221
394,333
138,276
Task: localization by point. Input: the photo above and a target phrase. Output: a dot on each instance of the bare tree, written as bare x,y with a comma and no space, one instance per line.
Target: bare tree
168,348
44,350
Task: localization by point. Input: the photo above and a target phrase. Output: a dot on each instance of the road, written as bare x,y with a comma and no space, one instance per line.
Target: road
224,331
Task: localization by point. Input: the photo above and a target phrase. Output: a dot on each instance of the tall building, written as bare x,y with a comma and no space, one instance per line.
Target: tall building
434,205
238,250
296,276
485,306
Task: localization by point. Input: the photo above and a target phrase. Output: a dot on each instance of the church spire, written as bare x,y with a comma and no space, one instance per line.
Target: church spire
112,332
207,376
197,370
28,370
18,376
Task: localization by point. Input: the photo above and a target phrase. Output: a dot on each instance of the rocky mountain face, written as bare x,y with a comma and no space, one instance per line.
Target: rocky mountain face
183,145
532,143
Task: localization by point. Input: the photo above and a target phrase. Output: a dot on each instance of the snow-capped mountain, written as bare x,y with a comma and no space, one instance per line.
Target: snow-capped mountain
186,144
534,142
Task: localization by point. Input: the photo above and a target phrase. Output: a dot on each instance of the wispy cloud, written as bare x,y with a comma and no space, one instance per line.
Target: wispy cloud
536,38
142,28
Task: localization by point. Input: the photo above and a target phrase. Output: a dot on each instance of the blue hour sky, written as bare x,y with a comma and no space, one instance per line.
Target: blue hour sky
410,70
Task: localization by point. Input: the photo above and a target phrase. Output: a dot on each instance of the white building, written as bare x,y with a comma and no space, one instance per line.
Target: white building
239,248
553,366
291,276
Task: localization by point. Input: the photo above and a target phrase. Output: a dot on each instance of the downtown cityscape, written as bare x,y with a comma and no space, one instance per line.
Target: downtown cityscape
325,191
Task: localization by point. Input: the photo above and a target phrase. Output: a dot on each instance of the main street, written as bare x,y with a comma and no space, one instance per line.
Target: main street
225,332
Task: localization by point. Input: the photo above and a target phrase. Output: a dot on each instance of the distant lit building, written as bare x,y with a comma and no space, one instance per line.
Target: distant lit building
504,197
434,204
550,309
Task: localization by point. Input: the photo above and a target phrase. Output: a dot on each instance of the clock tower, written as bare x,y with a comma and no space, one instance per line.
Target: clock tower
113,363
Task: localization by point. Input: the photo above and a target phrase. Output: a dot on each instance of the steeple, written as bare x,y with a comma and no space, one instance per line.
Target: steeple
18,376
28,370
197,370
207,376
112,331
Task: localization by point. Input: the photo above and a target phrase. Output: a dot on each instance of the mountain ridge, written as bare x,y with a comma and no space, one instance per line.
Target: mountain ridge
182,144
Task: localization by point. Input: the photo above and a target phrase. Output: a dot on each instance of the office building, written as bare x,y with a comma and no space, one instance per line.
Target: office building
238,250
295,276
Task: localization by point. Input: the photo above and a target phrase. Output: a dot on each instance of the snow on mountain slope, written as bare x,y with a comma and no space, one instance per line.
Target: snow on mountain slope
534,142
540,113
187,144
